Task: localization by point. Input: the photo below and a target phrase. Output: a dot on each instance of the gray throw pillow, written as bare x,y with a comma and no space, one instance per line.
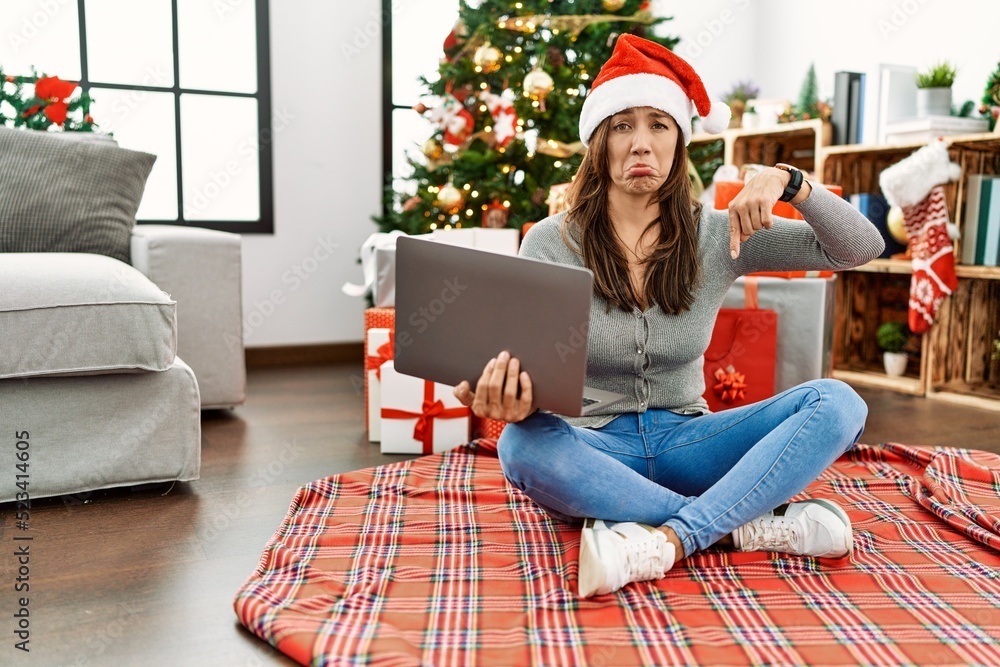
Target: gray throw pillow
68,196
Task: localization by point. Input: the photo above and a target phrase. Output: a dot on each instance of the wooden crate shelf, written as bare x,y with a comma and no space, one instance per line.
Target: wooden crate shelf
799,143
953,360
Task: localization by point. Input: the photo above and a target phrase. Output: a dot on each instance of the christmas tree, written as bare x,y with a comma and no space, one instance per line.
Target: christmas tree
991,98
809,105
506,109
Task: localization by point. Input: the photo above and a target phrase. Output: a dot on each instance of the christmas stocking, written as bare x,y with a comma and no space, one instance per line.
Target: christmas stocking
926,224
915,185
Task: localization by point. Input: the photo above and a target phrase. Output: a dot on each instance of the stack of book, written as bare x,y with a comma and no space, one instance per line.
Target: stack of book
981,227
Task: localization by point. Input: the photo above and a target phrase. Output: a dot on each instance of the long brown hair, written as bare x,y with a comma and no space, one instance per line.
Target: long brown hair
671,267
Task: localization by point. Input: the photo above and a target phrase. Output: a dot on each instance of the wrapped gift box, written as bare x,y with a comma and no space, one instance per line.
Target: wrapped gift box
420,417
805,325
558,195
375,318
505,241
379,349
379,257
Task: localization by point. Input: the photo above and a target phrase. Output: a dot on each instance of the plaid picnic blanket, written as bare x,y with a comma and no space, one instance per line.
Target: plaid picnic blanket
437,561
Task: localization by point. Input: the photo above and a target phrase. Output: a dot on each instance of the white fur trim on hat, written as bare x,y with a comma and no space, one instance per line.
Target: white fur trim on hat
636,90
910,180
648,90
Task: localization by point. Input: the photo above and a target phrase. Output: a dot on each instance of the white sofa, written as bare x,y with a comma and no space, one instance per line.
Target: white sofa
91,372
107,355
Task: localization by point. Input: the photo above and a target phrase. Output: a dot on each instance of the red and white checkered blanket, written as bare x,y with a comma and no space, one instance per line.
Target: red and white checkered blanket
437,561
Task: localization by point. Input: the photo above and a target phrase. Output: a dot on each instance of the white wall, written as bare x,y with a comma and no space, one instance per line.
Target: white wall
328,158
326,98
774,41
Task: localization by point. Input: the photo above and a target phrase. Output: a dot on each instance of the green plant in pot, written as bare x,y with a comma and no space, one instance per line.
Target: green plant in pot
737,98
934,89
892,338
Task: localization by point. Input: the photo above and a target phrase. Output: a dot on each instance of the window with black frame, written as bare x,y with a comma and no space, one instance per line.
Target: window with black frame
412,46
186,80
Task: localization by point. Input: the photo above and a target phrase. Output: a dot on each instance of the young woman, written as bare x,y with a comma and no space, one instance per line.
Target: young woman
658,477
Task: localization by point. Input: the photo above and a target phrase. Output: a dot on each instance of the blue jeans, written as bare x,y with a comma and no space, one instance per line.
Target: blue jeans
703,476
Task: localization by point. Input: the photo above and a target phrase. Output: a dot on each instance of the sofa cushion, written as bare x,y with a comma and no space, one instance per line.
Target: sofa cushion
81,314
68,196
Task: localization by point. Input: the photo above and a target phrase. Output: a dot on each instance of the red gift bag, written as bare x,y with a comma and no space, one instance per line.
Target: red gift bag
740,359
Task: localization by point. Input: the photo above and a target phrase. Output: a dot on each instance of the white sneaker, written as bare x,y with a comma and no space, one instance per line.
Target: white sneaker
615,554
808,528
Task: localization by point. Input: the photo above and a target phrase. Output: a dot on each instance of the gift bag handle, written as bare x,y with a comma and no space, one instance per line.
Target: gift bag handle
751,301
750,296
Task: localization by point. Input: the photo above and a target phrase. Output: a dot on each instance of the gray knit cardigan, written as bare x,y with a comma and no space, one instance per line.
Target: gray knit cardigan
656,359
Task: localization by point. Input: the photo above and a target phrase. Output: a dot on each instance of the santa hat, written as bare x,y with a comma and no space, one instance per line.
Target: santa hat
641,73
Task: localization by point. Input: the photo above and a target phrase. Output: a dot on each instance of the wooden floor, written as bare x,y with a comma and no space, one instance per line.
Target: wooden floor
147,576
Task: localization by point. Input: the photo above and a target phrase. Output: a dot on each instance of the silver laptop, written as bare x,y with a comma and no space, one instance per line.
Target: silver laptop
457,308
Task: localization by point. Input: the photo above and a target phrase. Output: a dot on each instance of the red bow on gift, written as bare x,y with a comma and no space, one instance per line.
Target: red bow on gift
383,354
430,410
730,384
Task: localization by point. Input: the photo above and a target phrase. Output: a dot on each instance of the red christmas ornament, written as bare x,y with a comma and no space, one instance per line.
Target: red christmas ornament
452,117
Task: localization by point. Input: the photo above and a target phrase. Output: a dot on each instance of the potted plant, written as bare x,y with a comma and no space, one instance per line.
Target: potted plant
934,89
737,98
892,338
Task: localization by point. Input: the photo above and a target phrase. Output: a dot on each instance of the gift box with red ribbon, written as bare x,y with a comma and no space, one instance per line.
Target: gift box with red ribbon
375,318
419,416
380,344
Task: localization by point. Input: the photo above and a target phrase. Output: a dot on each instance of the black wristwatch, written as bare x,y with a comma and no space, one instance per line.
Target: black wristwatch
794,185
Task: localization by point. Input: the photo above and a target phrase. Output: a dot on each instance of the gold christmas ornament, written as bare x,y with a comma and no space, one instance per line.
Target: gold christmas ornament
432,149
450,199
487,58
894,223
612,5
538,84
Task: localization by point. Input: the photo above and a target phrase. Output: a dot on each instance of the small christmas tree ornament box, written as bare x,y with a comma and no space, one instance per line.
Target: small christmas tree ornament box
419,416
